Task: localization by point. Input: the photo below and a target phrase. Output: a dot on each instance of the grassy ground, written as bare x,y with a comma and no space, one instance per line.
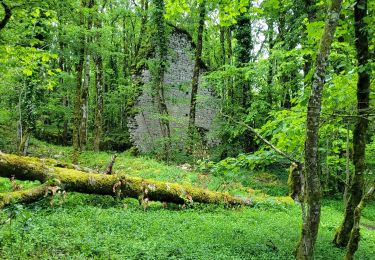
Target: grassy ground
100,227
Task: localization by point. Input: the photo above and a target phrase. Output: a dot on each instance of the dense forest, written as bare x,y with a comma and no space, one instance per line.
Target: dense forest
187,129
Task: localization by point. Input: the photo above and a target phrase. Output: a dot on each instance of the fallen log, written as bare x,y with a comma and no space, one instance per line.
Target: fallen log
30,168
22,196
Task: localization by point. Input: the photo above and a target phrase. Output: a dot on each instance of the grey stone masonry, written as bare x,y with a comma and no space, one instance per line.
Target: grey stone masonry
144,127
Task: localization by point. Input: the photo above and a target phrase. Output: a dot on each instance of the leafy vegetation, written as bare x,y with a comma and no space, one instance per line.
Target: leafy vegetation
88,226
242,100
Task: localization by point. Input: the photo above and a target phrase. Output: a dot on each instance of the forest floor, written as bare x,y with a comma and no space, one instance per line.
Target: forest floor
101,227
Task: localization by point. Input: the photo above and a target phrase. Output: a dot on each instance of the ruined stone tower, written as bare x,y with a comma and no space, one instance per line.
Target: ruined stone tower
144,127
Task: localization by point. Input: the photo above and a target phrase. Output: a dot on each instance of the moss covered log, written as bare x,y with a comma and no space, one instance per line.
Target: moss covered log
22,196
29,168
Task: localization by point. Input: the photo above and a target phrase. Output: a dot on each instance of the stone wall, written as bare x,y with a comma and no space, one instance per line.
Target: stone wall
144,127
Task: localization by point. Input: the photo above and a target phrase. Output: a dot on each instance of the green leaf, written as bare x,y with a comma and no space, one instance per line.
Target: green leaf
27,72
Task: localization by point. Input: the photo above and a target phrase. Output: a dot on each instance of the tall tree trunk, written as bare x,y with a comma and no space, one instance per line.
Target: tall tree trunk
86,82
230,90
99,101
64,97
223,60
158,77
244,50
311,10
310,178
77,101
85,100
271,44
359,134
99,85
142,31
347,167
222,46
196,71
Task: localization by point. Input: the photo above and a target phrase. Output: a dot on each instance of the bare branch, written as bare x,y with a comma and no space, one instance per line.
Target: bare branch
264,140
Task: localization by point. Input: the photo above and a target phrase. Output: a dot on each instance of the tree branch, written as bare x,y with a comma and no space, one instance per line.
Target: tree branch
264,140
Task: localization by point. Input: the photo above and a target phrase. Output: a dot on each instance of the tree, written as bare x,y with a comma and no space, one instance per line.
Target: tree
310,178
359,135
78,101
158,74
72,178
99,85
196,71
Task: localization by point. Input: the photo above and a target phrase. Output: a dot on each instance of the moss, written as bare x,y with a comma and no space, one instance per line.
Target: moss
74,180
22,196
294,182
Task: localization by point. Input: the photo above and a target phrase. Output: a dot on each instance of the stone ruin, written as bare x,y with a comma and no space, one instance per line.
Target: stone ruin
144,127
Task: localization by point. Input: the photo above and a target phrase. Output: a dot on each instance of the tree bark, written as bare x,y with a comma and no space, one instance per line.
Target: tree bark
78,101
347,167
270,73
158,77
359,134
196,71
243,51
98,132
29,168
354,234
86,81
99,87
8,14
310,178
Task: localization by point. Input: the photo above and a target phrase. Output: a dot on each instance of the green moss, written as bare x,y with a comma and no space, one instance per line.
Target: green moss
22,196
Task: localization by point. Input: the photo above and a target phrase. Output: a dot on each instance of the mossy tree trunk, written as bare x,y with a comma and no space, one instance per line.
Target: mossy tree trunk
77,100
310,178
359,135
99,87
86,81
159,73
354,234
196,73
45,171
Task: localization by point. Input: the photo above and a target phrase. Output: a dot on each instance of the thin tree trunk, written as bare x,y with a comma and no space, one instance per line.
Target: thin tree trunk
196,72
85,101
230,90
99,102
222,63
65,96
347,170
271,43
77,101
310,9
144,4
359,134
310,178
86,82
99,87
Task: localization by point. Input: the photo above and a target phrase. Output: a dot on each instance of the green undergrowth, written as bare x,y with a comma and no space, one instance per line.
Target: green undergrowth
100,227
260,185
